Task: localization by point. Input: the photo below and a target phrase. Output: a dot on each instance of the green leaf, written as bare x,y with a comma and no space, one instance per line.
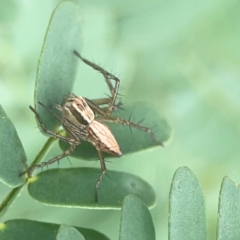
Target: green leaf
187,207
229,211
57,64
75,187
136,221
66,232
12,155
22,229
134,141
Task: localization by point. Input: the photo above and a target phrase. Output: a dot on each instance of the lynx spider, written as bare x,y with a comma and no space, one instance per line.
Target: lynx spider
83,119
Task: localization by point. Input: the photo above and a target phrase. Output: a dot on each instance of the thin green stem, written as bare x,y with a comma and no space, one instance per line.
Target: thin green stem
9,199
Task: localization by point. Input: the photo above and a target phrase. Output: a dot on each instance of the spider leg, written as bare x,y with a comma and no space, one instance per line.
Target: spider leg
100,101
30,170
69,140
103,172
95,105
108,77
130,124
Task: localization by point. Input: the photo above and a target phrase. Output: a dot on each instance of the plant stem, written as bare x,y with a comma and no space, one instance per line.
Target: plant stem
9,199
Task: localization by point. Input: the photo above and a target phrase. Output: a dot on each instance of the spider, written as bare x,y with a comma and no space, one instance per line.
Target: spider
84,119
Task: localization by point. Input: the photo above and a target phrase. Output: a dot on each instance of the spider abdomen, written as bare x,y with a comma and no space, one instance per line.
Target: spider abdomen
101,136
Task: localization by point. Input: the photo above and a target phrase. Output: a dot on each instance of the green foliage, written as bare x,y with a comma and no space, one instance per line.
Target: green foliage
187,218
26,229
74,187
68,232
12,154
57,64
229,211
192,63
136,221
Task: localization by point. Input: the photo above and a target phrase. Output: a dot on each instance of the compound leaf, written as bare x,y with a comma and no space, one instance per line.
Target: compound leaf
12,155
55,77
75,187
187,218
136,221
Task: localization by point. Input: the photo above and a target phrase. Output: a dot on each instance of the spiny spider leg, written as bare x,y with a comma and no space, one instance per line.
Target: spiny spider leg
96,103
108,77
103,172
43,164
68,140
51,111
103,101
100,101
130,124
95,107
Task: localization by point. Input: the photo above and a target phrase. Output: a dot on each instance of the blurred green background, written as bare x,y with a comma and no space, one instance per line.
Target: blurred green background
182,56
